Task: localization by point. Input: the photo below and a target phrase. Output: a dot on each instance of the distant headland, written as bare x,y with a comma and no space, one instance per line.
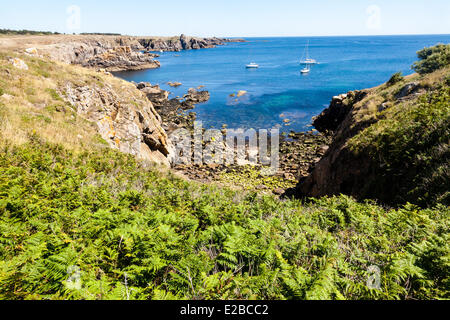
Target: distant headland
106,51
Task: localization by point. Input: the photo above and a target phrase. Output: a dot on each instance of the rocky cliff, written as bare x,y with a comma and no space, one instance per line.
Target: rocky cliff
59,101
390,143
182,43
123,115
117,53
105,52
131,126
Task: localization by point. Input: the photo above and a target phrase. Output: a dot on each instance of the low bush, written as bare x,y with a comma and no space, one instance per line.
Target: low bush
397,77
432,59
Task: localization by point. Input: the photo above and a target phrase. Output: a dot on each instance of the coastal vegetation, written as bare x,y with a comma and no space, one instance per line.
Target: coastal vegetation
79,220
432,59
396,77
131,232
25,32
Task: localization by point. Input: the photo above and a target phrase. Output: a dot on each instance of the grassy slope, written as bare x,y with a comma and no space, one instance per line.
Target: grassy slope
65,203
409,144
35,104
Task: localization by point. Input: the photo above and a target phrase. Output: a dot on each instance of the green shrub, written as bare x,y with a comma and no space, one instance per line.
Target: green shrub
397,77
432,59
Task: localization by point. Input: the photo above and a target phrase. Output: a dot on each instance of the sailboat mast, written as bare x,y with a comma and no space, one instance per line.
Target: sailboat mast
307,51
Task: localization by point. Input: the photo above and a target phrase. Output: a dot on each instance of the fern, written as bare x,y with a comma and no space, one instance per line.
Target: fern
114,219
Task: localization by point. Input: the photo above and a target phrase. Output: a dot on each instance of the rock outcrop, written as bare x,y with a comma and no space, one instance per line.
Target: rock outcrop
109,53
173,110
194,97
119,53
19,63
183,43
131,127
122,58
330,119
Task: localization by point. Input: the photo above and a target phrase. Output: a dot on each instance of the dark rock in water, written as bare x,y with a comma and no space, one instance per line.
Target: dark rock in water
173,111
175,84
194,96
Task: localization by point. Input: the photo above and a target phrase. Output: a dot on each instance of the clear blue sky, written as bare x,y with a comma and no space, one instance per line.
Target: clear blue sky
231,17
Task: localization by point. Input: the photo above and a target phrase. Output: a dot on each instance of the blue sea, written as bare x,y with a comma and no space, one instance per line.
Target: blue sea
277,90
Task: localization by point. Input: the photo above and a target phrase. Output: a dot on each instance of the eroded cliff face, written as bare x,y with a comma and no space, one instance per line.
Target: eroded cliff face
118,53
369,158
339,170
182,43
125,119
125,116
71,99
108,53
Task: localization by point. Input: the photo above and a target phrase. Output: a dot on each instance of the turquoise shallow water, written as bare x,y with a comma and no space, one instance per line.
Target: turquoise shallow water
278,88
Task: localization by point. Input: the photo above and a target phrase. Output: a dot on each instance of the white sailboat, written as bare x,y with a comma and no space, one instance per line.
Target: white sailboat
252,66
306,69
306,60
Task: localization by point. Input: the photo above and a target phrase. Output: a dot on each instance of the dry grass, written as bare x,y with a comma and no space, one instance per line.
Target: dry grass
30,103
369,108
429,80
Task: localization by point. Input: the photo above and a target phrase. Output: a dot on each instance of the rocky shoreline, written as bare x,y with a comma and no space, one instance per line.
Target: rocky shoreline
174,112
299,151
